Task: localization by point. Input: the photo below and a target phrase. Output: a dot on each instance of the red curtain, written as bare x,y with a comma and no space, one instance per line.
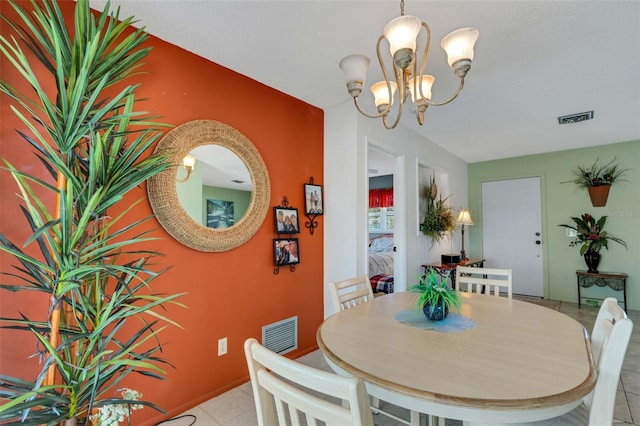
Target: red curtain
381,197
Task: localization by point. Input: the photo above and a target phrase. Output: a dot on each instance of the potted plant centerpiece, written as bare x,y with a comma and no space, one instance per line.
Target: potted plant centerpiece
591,237
597,180
434,297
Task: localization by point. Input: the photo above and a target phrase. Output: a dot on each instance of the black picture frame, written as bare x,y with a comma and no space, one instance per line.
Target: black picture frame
286,220
286,251
313,199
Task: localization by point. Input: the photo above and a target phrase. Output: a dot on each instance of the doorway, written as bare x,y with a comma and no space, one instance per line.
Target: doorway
512,231
384,173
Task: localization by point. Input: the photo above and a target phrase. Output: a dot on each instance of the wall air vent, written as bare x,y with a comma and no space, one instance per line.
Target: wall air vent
282,336
575,118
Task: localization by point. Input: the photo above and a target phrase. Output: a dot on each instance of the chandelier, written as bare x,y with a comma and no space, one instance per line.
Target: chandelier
401,34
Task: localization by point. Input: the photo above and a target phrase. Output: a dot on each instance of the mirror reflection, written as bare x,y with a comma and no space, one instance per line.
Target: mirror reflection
214,186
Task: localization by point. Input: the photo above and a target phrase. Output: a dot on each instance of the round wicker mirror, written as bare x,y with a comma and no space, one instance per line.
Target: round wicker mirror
163,195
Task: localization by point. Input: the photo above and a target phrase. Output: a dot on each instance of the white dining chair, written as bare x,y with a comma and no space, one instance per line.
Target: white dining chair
492,281
285,390
351,292
609,341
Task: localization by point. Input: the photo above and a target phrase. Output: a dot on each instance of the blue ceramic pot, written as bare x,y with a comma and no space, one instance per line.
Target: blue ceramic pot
438,313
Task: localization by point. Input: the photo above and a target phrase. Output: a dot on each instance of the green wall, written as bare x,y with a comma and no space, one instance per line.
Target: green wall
561,201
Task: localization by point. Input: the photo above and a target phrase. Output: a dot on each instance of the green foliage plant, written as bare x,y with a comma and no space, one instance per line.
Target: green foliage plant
439,219
590,234
88,261
598,174
432,291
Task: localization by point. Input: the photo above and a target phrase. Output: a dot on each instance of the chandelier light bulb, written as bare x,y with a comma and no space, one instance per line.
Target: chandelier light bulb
381,93
401,33
354,68
459,45
427,82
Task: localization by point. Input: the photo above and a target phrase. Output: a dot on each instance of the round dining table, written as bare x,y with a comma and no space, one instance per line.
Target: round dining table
513,362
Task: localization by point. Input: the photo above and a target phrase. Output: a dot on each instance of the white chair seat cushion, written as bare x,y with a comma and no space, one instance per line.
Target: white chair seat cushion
576,417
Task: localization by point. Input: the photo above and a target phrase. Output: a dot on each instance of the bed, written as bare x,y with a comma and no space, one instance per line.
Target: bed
381,263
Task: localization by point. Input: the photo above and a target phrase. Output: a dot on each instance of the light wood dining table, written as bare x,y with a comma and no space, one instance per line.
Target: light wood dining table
521,362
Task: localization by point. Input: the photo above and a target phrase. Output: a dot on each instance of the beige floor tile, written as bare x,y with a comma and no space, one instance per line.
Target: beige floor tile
631,382
202,418
631,362
634,407
229,405
248,418
621,410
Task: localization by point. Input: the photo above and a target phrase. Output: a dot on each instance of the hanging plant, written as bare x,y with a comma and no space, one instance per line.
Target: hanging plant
597,179
438,219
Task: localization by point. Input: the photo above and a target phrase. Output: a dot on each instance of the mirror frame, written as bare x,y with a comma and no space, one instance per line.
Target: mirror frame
163,195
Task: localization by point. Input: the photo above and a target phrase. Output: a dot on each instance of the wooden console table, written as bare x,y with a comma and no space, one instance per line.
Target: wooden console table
450,268
616,280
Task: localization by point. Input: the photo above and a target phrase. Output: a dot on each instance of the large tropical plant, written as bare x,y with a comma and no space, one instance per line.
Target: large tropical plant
91,265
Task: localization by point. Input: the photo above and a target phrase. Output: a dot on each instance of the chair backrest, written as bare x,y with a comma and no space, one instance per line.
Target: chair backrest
609,341
491,280
284,390
352,292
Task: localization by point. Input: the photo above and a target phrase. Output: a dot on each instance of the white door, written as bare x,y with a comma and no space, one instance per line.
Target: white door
512,231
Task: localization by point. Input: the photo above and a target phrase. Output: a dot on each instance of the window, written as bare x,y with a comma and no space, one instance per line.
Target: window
381,219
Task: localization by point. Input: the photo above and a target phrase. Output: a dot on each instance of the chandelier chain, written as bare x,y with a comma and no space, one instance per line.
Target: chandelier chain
402,7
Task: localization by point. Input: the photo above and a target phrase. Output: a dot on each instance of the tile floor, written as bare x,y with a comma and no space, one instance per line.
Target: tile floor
236,407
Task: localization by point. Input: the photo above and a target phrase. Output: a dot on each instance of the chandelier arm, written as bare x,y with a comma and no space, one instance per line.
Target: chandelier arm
384,73
416,87
400,75
455,95
425,55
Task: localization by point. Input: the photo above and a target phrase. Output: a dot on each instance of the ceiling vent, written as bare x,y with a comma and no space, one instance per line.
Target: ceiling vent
575,118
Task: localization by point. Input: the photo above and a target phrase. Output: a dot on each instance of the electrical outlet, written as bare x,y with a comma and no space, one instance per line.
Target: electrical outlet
222,346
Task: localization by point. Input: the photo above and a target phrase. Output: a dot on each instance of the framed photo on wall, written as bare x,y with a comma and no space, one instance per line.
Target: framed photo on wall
219,214
286,251
286,220
313,199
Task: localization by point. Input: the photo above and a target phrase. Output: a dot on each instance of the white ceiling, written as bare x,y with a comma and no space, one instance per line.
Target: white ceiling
534,61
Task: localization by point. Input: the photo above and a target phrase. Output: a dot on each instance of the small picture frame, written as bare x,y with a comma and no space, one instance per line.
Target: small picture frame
313,199
286,251
286,220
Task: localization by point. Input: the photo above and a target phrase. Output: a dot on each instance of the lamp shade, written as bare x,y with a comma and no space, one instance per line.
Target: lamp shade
189,161
464,218
401,33
354,68
459,44
427,82
381,92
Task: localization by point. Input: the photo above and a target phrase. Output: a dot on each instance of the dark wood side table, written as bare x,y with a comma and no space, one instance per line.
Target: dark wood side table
616,280
450,268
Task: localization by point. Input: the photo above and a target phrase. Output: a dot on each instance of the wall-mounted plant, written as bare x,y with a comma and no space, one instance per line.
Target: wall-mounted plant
438,218
597,179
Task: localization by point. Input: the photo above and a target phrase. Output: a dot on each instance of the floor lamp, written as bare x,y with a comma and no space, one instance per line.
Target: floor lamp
464,218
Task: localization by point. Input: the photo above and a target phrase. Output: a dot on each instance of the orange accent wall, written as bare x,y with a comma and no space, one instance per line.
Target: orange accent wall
231,294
